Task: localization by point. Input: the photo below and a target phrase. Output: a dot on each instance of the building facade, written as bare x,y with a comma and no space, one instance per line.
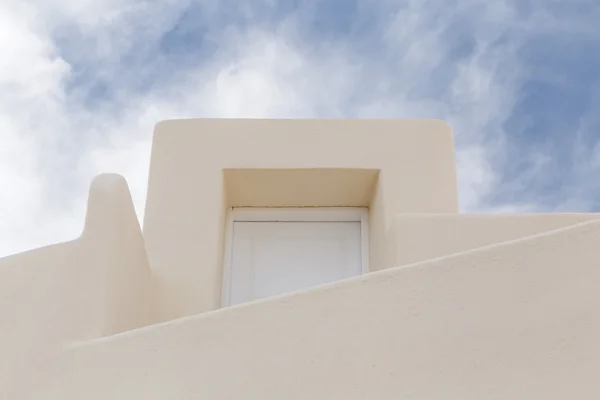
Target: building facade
303,259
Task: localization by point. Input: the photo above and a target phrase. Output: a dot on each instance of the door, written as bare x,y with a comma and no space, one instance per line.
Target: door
279,252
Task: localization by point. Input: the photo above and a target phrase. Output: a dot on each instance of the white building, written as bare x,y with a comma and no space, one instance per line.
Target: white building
303,259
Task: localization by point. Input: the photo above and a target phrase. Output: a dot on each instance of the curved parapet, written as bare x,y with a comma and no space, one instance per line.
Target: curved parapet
113,236
93,286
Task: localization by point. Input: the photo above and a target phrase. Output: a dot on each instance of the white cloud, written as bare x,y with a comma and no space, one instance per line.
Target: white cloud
31,76
51,148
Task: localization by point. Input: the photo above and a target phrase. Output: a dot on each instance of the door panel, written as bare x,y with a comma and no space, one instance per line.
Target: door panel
271,258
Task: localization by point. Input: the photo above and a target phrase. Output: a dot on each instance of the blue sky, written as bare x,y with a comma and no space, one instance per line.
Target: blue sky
83,82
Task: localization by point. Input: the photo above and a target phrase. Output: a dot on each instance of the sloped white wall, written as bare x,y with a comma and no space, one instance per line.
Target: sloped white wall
518,320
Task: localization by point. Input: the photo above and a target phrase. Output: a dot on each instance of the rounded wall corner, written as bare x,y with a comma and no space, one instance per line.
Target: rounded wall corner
443,124
443,129
162,126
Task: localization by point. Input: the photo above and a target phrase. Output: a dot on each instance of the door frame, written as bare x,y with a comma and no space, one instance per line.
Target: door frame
290,214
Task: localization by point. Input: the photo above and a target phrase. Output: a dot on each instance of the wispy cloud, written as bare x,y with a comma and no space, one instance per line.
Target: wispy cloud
82,84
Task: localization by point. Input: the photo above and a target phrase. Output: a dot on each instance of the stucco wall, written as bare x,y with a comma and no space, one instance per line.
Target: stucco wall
200,167
114,243
517,320
420,237
96,285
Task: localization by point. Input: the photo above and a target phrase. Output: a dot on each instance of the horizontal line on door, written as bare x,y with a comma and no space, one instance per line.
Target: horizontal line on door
303,222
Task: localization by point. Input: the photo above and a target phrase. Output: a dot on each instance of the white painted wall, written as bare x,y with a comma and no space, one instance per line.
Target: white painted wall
518,320
94,286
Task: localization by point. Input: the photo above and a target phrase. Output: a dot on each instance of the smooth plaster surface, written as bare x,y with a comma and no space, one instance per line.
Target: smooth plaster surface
518,320
94,286
200,167
423,237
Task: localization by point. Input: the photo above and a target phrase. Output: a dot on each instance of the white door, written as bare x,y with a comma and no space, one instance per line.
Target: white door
276,253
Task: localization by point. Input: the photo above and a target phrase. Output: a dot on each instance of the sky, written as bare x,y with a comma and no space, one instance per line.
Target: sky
82,83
